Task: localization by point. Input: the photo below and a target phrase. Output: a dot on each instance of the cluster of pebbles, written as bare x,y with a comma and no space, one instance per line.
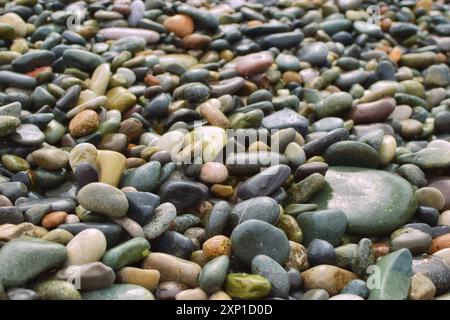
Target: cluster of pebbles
119,178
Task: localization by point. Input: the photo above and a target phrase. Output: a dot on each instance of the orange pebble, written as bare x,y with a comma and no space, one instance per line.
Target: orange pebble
440,243
395,54
54,219
217,246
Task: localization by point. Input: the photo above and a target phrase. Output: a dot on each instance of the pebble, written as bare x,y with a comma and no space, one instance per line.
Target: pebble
395,277
180,24
264,183
329,225
57,290
24,259
104,199
87,246
356,287
332,279
213,274
217,219
247,286
128,126
119,292
268,268
421,288
260,208
129,252
430,197
213,172
91,276
172,268
160,221
360,184
253,63
435,269
414,240
148,279
217,246
321,252
254,237
50,159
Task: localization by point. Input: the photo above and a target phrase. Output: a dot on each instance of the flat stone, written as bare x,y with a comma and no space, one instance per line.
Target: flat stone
351,153
389,201
22,260
107,200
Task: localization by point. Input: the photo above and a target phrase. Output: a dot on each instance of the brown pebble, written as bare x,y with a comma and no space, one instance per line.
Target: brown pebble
180,24
211,112
291,77
195,41
169,289
54,219
440,243
132,128
380,249
135,162
145,278
222,191
83,123
253,63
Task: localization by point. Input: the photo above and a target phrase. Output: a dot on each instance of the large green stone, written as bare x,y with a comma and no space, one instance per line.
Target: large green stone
375,202
25,258
394,277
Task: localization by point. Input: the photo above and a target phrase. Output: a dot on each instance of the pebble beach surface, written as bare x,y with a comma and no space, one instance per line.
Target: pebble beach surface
217,150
